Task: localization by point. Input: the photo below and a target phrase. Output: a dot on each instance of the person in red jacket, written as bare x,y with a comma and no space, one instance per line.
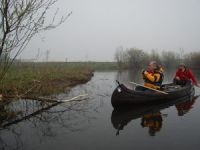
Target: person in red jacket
183,75
184,107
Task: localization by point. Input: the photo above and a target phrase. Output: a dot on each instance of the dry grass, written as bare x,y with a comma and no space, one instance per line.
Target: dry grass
36,79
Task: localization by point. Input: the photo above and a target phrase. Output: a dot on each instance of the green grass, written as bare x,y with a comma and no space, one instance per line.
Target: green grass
49,78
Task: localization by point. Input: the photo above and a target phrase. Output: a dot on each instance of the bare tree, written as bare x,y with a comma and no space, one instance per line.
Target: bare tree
119,57
136,57
154,55
47,55
170,59
20,20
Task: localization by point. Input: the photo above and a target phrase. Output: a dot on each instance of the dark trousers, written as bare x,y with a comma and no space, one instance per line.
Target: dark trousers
180,82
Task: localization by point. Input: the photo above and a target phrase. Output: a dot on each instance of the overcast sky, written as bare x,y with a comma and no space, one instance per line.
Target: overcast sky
97,27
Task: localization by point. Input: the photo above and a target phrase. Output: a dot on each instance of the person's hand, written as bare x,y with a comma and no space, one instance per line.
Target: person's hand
177,78
145,72
1,96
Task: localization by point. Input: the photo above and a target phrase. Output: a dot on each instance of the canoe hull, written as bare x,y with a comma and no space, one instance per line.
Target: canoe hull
122,96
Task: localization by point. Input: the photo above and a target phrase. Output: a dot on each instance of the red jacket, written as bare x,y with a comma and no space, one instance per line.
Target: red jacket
186,75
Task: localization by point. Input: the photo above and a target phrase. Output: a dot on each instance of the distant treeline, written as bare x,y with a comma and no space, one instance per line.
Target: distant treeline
138,58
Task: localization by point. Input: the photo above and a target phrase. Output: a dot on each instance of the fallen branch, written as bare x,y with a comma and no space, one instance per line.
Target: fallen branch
55,100
55,103
28,116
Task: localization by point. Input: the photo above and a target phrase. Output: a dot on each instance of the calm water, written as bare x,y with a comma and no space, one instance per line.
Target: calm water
92,124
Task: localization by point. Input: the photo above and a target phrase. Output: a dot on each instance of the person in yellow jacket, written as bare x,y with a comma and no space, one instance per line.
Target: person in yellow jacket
153,76
153,121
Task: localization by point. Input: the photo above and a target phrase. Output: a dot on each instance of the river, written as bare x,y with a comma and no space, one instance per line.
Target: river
90,125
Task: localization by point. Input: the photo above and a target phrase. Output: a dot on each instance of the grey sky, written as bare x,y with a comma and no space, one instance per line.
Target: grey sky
97,27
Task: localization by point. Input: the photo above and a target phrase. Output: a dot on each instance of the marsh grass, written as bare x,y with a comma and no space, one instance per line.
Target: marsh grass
41,79
37,79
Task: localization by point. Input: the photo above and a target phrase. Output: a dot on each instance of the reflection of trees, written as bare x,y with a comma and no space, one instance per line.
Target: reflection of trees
134,75
42,120
6,113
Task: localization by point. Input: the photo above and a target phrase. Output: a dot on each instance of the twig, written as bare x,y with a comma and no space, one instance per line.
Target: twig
55,100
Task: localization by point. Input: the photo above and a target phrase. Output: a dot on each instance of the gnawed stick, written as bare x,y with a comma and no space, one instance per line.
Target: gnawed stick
55,100
74,98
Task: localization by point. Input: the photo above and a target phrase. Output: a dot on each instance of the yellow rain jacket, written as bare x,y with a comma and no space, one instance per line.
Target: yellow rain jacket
153,79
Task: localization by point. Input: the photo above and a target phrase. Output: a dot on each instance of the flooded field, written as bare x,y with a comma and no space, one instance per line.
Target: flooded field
92,122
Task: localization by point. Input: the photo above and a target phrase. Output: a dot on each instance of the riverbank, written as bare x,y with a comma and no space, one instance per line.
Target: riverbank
44,79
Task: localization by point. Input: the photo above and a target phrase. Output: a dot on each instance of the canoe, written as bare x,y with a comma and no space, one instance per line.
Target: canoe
123,96
120,117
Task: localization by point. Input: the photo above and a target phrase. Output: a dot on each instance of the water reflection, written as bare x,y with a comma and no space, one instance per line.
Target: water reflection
185,107
71,125
41,121
150,115
6,114
153,121
131,75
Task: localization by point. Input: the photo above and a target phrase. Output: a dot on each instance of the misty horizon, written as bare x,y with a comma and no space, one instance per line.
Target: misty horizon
97,28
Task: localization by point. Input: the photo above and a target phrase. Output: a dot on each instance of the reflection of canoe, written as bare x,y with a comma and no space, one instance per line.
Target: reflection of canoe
124,96
122,116
185,107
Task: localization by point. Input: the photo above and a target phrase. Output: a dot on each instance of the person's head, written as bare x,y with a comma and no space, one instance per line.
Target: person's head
153,65
160,68
182,66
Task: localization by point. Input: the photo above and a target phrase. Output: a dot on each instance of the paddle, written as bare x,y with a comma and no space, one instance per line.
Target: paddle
149,88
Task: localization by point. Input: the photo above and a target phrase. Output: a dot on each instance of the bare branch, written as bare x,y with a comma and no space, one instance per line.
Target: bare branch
20,21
